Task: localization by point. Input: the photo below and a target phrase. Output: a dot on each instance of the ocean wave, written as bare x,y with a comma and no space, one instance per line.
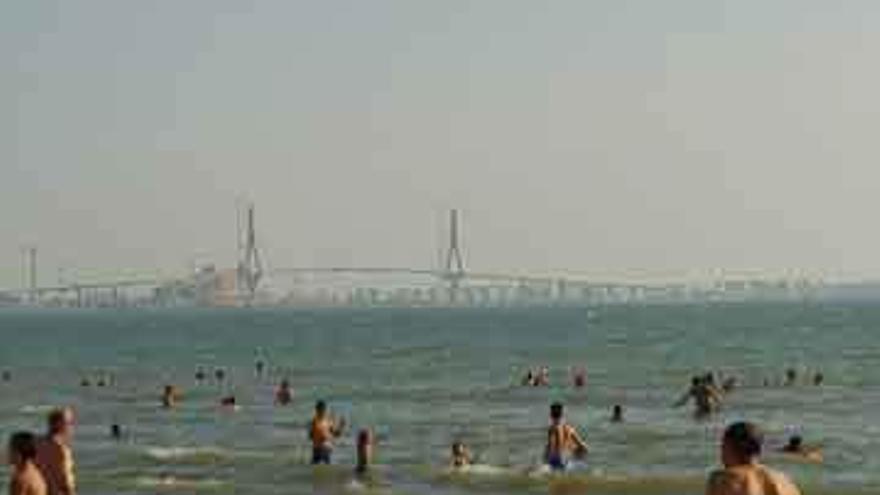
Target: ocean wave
175,482
194,454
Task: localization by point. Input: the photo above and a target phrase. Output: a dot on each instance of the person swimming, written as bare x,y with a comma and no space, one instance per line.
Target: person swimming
115,431
562,440
364,454
617,414
796,447
790,377
818,379
542,379
219,374
461,456
579,378
323,430
283,394
529,379
200,375
170,396
228,401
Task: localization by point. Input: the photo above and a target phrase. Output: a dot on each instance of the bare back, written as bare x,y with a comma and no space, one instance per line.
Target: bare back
55,462
27,481
750,480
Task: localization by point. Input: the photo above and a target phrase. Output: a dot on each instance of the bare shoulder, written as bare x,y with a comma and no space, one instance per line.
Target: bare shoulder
781,484
726,482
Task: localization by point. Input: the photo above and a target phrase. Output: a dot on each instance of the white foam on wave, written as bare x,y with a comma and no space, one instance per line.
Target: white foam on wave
36,409
175,482
171,453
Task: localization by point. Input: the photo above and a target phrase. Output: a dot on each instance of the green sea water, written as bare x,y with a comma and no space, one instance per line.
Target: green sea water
422,378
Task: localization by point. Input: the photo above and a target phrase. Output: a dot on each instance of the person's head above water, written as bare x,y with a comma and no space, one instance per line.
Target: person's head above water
115,431
60,421
320,408
794,443
741,444
617,413
556,411
22,447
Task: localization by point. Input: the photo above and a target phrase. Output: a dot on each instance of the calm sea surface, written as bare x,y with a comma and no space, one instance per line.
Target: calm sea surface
422,378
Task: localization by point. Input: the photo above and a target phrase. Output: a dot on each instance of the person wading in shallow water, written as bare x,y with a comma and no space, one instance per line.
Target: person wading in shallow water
742,474
324,429
562,440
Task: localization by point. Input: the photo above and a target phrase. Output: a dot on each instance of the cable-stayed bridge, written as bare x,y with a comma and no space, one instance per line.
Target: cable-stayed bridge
252,283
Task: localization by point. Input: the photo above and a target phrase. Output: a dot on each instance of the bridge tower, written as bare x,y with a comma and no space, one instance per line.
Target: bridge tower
250,269
29,273
454,268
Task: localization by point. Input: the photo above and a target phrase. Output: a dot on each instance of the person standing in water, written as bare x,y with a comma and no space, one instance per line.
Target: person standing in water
562,440
617,414
54,456
742,473
283,394
324,429
25,478
706,397
364,454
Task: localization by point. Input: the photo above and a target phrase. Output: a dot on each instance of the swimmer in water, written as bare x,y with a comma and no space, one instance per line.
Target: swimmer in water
115,431
579,377
260,366
742,472
796,447
528,379
85,382
790,377
617,414
200,375
562,440
170,396
219,374
323,430
543,378
228,401
706,398
461,456
364,454
25,478
818,379
283,394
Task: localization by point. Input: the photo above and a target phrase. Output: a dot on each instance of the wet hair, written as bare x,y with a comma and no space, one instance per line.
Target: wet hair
556,410
24,444
618,409
795,442
744,438
696,380
320,406
115,430
364,437
57,419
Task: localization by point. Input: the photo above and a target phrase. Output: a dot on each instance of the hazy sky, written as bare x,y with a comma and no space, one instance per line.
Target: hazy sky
582,135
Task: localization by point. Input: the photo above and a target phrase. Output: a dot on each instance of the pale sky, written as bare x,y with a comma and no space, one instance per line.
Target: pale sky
574,135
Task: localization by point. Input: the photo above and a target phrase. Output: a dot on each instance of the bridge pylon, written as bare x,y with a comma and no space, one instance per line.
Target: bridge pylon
454,268
250,267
